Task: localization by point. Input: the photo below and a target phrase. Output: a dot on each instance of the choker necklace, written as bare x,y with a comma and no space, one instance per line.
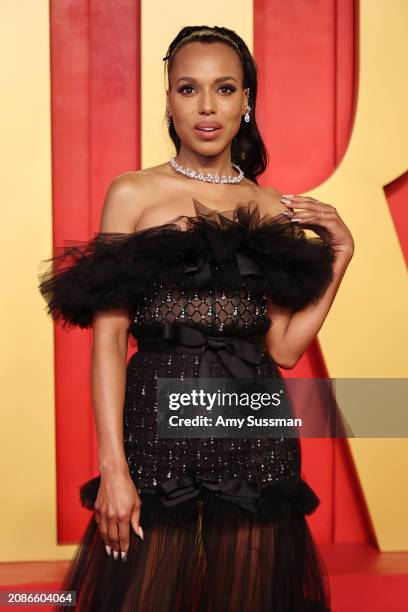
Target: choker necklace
210,178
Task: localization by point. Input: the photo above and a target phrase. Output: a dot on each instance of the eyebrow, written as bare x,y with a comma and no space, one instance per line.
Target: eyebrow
224,78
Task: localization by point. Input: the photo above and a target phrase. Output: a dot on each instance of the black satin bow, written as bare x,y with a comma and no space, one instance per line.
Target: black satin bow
239,356
243,493
236,265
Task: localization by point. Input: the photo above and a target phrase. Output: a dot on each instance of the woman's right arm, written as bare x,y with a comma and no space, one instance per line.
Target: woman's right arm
118,504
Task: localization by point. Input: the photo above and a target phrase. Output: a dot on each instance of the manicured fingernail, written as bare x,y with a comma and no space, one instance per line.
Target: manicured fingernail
123,555
288,213
287,195
108,549
115,554
296,219
141,534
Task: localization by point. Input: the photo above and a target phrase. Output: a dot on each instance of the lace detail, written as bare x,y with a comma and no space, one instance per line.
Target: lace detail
216,311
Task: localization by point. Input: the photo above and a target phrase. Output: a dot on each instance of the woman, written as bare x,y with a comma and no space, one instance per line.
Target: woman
167,532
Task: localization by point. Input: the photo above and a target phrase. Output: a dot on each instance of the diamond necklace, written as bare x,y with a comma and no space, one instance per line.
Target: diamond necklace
210,178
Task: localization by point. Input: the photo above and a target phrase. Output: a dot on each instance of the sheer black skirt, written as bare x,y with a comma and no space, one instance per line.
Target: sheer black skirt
209,563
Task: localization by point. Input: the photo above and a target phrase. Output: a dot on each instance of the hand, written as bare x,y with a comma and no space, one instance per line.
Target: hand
117,504
323,219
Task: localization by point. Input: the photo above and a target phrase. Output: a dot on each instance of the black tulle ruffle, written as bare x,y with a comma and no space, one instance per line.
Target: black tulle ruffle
112,270
274,499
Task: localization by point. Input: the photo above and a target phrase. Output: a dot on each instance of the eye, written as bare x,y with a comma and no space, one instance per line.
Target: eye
230,88
182,89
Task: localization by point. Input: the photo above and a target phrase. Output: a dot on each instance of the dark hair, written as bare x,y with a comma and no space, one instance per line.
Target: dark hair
247,148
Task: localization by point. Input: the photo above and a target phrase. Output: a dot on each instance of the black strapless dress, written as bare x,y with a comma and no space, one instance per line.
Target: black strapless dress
223,518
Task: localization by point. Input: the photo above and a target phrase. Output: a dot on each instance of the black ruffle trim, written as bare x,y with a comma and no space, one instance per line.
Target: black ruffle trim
221,249
275,499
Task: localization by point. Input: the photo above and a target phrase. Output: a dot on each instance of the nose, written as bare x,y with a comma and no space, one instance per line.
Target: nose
206,102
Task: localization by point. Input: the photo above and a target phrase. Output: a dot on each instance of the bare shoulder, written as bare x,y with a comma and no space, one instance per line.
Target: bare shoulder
126,197
133,195
271,192
270,200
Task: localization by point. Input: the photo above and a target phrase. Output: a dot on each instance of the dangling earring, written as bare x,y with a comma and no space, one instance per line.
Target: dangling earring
168,119
246,116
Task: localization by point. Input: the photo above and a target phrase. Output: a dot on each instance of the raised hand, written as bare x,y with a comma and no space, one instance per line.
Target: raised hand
323,219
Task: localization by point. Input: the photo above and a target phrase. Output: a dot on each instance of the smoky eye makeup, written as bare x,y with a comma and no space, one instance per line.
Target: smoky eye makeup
228,87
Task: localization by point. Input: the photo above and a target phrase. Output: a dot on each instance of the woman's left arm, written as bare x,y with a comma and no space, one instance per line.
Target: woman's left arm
291,333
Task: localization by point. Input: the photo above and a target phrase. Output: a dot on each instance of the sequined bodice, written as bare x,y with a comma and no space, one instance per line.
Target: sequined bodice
218,311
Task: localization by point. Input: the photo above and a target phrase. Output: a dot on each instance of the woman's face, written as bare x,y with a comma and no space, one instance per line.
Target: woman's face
206,89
